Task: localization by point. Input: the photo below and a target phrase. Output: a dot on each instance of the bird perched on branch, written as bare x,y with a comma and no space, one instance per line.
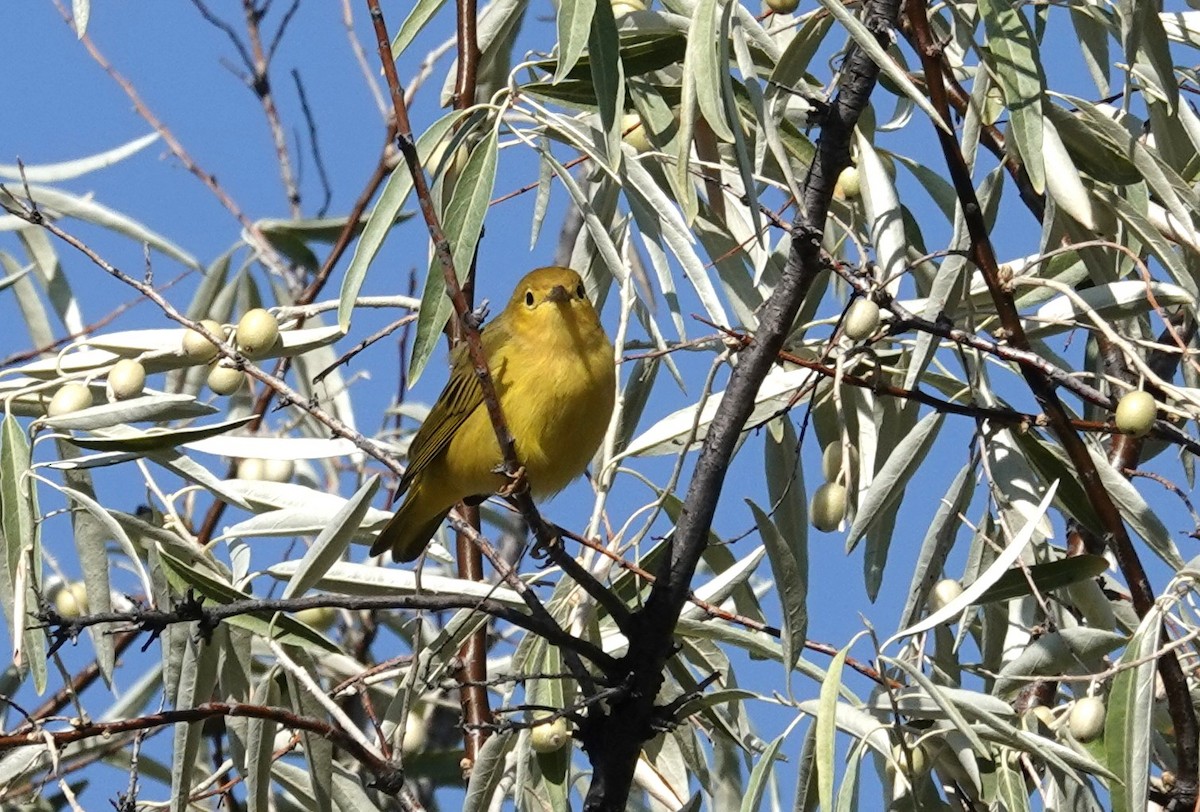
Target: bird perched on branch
553,369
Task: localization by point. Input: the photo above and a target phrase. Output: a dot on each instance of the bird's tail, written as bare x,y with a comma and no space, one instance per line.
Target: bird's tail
411,528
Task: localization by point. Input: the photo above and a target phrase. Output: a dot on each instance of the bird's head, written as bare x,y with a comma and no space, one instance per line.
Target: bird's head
547,293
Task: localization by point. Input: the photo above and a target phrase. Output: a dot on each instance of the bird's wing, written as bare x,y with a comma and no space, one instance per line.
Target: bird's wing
461,396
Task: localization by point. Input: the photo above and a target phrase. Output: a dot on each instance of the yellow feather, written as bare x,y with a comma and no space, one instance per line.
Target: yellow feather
552,365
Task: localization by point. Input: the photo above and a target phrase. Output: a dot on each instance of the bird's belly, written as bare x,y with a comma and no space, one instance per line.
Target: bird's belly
575,403
554,441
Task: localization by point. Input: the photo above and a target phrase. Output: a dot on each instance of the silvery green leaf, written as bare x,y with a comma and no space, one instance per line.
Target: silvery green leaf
387,209
1112,301
275,448
1063,183
995,570
1129,719
150,407
88,210
866,40
463,225
331,544
883,213
69,170
789,567
1016,64
890,481
667,436
346,578
127,438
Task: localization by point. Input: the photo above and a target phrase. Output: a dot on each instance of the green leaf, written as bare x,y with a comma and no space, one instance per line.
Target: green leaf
422,12
1129,721
331,544
90,211
19,523
90,539
348,578
155,407
608,76
487,772
864,39
260,743
790,571
889,483
1016,64
574,21
156,439
826,713
939,540
761,775
1045,577
702,66
318,750
1069,651
69,170
991,575
283,628
462,225
384,215
198,677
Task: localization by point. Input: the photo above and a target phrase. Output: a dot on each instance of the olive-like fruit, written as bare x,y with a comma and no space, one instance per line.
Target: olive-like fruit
278,470
319,617
900,761
828,507
831,461
1086,721
225,380
70,600
416,732
1044,715
198,348
783,6
549,737
944,592
633,132
252,468
257,332
1136,412
126,379
862,320
849,183
622,7
70,397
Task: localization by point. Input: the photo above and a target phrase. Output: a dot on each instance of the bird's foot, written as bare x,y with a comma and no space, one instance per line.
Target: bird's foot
517,483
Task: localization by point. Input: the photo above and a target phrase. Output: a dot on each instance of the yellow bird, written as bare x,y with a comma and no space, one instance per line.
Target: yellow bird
553,368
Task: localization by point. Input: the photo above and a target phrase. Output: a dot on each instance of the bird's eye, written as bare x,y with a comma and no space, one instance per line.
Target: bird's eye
529,298
580,292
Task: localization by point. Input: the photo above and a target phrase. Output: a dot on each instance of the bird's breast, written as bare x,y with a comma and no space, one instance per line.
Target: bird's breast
558,401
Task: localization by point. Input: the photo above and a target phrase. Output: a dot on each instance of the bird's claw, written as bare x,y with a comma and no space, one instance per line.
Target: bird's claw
516,482
475,318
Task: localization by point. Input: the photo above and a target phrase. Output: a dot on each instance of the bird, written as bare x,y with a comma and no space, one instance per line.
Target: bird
554,373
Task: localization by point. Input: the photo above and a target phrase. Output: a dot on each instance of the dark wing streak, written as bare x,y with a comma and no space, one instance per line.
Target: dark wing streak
461,396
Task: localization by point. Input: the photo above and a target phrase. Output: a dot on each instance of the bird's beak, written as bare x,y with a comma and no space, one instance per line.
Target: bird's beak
558,294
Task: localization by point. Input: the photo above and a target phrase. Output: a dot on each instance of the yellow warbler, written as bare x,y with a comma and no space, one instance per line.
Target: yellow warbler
552,365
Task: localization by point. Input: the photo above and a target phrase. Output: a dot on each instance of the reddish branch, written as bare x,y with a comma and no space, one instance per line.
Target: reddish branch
472,675
388,778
